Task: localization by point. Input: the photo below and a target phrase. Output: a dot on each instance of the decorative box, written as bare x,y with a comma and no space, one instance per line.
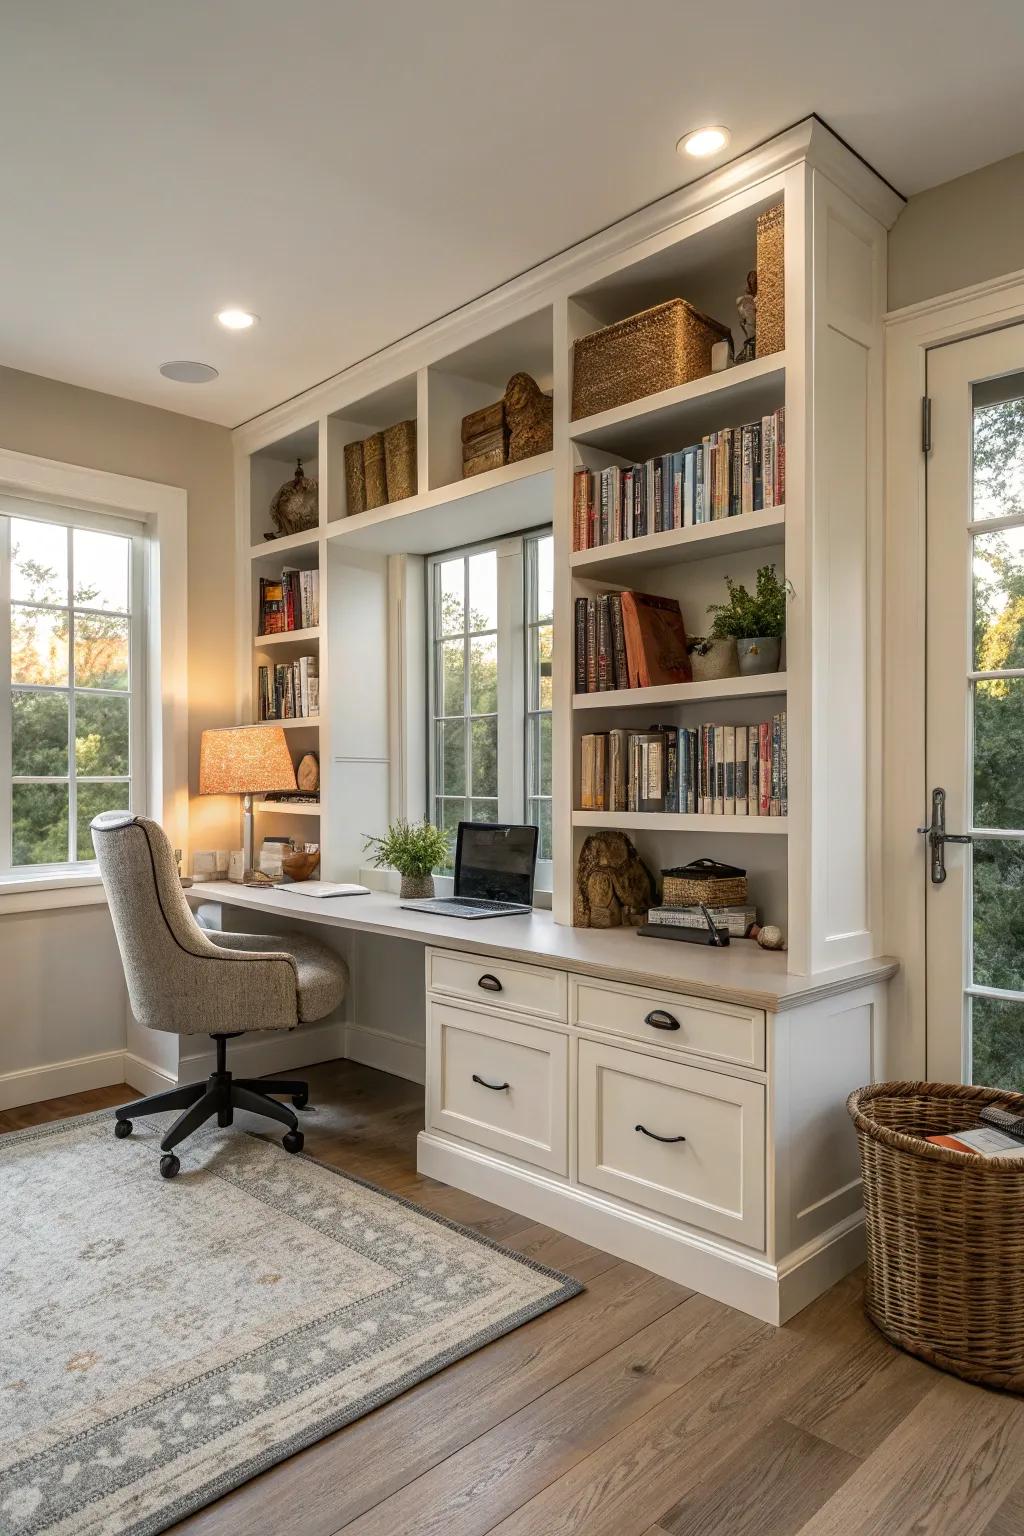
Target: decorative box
400,460
657,349
716,885
770,332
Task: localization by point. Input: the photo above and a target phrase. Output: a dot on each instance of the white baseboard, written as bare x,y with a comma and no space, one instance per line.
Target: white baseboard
33,1084
388,1053
145,1076
748,1282
264,1052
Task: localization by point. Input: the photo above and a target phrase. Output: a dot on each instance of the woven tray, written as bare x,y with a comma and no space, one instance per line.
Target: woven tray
770,333
656,349
945,1231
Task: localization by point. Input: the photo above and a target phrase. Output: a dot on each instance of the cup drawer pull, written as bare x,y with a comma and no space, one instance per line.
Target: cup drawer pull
494,1087
658,1018
489,983
652,1134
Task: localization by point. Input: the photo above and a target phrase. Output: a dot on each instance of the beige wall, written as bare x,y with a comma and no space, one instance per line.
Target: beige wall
79,426
961,232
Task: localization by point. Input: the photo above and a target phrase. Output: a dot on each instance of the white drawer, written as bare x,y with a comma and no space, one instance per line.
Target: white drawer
721,1030
711,1175
498,983
500,1083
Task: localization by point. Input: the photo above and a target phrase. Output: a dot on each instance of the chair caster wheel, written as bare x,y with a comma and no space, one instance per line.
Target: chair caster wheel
293,1141
300,1100
122,1128
169,1166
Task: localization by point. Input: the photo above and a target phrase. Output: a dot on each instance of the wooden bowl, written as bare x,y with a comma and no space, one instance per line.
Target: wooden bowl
300,866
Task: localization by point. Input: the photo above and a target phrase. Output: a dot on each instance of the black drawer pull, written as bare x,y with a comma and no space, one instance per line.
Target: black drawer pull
659,1019
654,1135
495,1087
489,983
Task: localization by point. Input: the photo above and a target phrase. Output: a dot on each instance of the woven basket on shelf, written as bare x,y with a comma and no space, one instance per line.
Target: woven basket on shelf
770,331
945,1231
703,880
657,349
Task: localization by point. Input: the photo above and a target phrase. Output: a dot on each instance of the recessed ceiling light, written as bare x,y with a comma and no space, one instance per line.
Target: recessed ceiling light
703,142
236,319
188,373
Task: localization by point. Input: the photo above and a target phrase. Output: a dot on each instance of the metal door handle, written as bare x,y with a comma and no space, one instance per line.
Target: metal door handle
654,1135
938,837
489,983
658,1018
494,1087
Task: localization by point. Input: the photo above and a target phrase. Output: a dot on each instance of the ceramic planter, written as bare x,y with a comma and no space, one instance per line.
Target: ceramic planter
758,655
720,661
416,887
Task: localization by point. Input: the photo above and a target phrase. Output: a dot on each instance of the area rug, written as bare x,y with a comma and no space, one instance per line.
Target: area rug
162,1342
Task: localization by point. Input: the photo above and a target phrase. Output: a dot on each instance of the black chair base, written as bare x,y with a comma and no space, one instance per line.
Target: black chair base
220,1095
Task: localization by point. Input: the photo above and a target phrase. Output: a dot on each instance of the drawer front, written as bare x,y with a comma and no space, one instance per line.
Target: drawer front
500,1083
498,983
708,1167
723,1031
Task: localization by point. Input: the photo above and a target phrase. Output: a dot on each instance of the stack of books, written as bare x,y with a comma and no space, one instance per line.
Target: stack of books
708,770
290,691
291,603
737,470
484,440
629,640
738,920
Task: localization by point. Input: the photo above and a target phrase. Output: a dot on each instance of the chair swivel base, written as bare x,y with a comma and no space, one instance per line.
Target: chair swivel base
220,1095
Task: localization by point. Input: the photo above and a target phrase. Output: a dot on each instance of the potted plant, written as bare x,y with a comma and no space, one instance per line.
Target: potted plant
755,620
711,658
415,850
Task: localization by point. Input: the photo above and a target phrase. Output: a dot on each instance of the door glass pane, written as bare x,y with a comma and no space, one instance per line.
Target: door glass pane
997,1042
39,823
998,449
92,799
999,600
101,651
485,757
39,562
39,734
101,571
39,647
999,753
101,735
998,936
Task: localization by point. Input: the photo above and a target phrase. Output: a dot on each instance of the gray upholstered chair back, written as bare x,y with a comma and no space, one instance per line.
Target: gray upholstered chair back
178,979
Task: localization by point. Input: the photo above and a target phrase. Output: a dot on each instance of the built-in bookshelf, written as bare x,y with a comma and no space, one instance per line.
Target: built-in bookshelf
814,871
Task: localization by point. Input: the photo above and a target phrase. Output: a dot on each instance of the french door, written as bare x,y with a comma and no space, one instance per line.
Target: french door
975,711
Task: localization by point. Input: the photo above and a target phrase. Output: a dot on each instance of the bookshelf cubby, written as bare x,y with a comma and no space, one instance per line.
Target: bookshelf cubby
815,871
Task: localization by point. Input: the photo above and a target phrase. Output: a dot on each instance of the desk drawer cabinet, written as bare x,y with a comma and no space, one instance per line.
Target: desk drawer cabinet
530,989
705,1028
685,1141
500,1083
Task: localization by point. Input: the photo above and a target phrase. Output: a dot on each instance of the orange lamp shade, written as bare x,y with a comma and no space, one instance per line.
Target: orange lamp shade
245,760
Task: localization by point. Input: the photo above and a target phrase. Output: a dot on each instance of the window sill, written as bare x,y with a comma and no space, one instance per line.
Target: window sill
51,889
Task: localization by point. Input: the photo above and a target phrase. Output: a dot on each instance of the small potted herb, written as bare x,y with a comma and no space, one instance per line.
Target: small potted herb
756,621
415,850
711,658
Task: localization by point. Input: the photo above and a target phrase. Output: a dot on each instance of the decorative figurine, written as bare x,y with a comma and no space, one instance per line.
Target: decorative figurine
528,418
614,888
307,774
295,507
746,306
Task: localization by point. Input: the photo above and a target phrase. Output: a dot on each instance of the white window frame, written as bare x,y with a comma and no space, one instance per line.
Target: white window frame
512,632
157,515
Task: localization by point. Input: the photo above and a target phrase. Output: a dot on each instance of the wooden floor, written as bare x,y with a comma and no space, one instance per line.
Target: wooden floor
636,1409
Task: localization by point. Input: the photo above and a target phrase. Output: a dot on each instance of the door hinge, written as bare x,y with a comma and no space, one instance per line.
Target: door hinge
926,424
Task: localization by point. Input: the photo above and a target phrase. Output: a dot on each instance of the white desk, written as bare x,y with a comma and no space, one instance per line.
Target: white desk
678,1105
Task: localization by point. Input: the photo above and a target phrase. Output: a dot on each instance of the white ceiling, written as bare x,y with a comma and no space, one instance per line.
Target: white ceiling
350,171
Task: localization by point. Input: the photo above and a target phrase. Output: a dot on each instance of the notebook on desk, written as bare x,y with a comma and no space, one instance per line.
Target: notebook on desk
494,872
322,888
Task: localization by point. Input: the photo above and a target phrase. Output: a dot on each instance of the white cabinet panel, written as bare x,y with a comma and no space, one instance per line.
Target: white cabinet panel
722,1030
498,983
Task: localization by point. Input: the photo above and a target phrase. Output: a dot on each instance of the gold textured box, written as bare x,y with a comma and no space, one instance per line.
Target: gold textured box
400,460
770,333
373,467
657,349
355,479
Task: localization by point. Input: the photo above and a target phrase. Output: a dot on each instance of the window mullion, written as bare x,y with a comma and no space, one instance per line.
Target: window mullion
6,761
467,700
72,729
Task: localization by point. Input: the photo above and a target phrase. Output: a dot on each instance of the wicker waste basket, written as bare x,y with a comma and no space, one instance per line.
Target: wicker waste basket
945,1231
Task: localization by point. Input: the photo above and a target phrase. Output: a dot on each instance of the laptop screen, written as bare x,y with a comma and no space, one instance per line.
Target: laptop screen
495,861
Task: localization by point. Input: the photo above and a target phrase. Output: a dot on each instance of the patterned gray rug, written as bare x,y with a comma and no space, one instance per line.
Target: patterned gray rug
164,1341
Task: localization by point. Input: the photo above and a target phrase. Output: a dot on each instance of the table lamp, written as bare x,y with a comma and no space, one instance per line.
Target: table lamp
245,760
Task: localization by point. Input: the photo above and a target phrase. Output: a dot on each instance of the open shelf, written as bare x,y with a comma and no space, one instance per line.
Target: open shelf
764,685
675,418
677,821
702,541
298,723
275,807
287,637
271,548
504,500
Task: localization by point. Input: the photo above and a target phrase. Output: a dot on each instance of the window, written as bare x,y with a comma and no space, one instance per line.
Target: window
71,716
490,647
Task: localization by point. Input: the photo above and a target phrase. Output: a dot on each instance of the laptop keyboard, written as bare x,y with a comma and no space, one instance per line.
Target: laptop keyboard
456,906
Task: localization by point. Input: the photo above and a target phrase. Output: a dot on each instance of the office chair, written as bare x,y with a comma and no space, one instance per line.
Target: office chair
192,981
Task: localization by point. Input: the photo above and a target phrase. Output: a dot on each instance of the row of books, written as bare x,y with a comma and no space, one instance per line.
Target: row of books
629,640
293,602
738,920
289,691
710,770
737,470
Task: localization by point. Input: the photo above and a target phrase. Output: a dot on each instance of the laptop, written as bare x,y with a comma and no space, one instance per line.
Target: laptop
495,864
